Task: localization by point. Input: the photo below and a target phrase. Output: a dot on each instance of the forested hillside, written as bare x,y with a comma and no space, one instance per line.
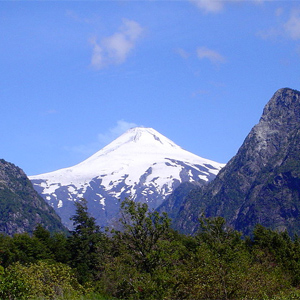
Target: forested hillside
146,259
21,208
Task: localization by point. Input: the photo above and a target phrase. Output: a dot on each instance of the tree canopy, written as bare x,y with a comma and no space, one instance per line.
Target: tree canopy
147,259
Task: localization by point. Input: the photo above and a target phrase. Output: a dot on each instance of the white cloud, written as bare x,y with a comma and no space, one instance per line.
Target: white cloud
85,150
260,1
215,6
212,55
183,53
97,56
75,17
292,26
290,29
209,5
200,93
271,33
131,29
102,139
116,48
115,132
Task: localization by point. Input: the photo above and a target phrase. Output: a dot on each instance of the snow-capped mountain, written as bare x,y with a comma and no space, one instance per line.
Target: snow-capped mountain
141,164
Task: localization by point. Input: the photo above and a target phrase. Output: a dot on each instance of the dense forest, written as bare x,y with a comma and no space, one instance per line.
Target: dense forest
145,259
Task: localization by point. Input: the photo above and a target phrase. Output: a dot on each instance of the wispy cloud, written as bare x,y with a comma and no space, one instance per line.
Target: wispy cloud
85,150
212,55
184,54
75,17
199,93
216,6
115,132
115,49
209,5
279,12
289,29
292,26
102,139
270,33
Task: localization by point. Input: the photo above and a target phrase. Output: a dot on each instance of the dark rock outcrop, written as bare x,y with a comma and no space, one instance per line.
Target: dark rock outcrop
21,208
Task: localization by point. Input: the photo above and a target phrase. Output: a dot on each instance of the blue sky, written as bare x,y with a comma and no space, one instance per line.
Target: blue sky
76,74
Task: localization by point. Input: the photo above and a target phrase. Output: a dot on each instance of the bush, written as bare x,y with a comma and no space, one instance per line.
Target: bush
12,286
44,279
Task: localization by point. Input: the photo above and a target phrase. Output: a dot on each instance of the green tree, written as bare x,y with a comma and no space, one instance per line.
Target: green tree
280,248
142,231
144,253
59,247
85,243
224,267
56,243
23,248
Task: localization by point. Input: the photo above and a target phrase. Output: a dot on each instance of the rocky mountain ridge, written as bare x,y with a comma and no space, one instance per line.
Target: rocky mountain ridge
21,208
261,183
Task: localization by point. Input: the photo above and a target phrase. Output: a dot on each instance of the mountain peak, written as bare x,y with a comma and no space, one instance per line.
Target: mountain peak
283,108
141,164
147,135
138,139
136,133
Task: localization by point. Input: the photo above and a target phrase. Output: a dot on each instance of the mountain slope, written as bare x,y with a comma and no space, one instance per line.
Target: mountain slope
141,164
21,208
173,203
261,183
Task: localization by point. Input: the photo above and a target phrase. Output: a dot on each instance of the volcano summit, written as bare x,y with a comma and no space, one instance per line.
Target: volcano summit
141,164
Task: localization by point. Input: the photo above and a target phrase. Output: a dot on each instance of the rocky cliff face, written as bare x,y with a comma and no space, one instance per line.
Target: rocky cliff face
21,208
261,183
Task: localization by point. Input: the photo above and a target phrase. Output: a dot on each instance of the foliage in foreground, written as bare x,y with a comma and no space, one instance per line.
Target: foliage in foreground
146,259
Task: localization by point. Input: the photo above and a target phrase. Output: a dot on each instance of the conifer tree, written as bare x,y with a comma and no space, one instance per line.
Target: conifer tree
85,242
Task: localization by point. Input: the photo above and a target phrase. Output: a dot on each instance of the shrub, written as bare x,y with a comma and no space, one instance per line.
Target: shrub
44,279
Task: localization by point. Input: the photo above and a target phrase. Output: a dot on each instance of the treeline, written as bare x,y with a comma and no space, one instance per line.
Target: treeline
146,259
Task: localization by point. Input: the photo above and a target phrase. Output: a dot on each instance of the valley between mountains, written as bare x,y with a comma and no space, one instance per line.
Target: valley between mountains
235,228
259,185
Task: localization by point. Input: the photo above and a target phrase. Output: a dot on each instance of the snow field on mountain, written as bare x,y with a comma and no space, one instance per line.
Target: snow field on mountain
141,164
131,154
